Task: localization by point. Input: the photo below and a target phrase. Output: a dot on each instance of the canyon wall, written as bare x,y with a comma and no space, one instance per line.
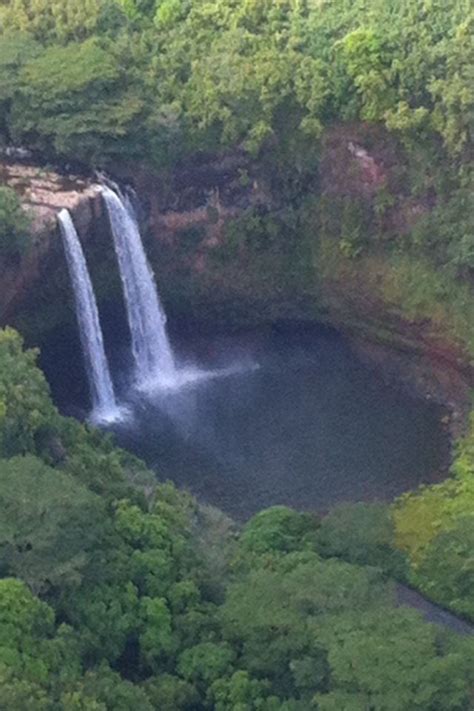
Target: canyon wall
196,222
37,280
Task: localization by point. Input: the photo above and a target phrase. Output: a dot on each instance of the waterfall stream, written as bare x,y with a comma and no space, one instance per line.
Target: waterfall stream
153,356
100,383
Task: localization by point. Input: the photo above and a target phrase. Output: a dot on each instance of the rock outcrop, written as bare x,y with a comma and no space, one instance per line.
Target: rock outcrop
43,193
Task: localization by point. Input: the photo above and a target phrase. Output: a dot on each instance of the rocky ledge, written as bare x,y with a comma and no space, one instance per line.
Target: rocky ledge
43,194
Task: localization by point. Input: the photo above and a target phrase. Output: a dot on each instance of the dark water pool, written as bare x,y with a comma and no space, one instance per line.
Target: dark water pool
295,419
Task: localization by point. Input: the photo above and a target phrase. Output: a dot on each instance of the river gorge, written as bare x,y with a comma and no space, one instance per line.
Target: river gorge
289,412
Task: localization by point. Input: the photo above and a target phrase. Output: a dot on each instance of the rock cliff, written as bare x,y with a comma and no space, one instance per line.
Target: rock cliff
43,193
195,221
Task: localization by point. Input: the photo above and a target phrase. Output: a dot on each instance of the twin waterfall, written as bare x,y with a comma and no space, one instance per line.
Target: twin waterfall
153,357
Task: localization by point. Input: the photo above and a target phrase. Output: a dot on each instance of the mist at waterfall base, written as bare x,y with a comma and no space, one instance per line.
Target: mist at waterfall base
309,427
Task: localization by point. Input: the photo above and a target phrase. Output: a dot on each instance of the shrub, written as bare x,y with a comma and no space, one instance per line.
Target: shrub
362,534
14,224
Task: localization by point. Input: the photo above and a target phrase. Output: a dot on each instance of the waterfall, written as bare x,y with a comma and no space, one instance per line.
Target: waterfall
97,369
154,361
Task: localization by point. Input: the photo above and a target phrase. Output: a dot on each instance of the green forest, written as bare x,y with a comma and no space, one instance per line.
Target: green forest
120,593
117,593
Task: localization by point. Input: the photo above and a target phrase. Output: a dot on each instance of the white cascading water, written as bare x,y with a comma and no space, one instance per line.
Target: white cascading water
154,361
97,369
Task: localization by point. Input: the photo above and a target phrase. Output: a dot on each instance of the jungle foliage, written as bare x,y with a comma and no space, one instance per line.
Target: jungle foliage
159,81
120,593
218,73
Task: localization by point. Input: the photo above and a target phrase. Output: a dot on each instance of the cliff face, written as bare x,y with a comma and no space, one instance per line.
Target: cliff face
196,223
43,194
205,267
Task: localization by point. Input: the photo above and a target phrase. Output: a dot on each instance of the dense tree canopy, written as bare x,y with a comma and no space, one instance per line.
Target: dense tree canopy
231,71
159,81
109,600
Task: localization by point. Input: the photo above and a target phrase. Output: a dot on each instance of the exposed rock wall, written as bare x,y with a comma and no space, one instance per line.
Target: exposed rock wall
43,193
186,216
188,230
